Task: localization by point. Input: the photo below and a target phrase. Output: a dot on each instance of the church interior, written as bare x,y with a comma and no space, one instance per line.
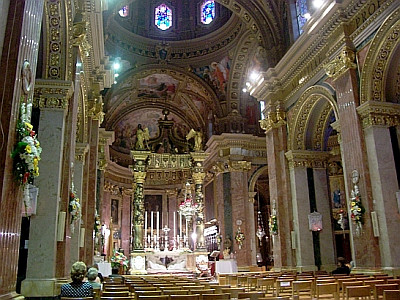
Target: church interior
189,135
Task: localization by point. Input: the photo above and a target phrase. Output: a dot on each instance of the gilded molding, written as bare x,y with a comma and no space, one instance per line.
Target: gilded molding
320,128
373,77
96,112
307,159
79,39
80,151
139,177
52,93
232,166
251,197
343,62
275,119
377,113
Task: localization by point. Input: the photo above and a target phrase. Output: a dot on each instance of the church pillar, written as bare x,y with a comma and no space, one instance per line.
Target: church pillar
342,70
376,118
252,229
236,209
279,185
198,177
79,164
310,194
47,232
126,200
20,19
138,262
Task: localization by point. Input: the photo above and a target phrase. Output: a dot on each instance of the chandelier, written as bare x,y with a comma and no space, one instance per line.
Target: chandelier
188,208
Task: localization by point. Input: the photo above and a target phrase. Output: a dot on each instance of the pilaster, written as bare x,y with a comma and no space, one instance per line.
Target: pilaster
279,184
376,118
52,99
342,70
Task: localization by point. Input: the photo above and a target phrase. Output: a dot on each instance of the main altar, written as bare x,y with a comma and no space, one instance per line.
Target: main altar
171,240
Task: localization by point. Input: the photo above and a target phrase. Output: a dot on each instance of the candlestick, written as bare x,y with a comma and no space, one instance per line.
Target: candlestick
180,224
174,224
145,223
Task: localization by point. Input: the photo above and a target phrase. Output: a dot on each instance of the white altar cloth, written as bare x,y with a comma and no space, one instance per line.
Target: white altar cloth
226,266
104,268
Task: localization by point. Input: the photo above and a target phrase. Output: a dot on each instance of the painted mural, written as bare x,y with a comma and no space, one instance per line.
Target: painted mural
157,86
216,75
125,130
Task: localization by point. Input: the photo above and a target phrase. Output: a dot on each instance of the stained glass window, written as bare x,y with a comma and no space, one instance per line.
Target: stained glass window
123,12
301,11
163,17
207,12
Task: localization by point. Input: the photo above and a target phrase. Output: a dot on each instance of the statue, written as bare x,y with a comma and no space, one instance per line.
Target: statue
142,136
198,138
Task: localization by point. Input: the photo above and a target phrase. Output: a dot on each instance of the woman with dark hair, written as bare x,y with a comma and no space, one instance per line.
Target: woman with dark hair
77,288
342,268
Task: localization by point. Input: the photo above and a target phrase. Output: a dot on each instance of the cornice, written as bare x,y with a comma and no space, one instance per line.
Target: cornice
306,57
375,113
52,93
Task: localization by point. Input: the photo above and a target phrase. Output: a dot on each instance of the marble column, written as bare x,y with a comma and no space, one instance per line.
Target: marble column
43,246
301,208
23,20
252,229
279,184
198,177
126,200
342,70
377,117
139,176
323,206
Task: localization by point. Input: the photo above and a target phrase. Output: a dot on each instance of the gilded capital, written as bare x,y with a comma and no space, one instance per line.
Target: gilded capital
275,119
52,93
139,177
307,159
232,166
80,151
343,62
198,177
376,113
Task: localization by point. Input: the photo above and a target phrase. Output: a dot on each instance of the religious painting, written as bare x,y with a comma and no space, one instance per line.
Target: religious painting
216,74
338,194
157,86
114,210
153,203
252,111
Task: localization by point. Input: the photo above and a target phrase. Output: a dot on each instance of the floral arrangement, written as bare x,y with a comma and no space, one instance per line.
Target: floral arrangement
239,237
357,210
97,224
273,224
118,260
74,206
26,154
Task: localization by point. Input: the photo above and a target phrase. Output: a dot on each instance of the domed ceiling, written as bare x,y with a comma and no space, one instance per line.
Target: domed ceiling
194,70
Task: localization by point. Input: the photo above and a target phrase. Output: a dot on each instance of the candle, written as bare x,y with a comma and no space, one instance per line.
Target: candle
174,224
145,223
180,224
152,223
158,224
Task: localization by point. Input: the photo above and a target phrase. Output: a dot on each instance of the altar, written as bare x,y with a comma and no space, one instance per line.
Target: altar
167,261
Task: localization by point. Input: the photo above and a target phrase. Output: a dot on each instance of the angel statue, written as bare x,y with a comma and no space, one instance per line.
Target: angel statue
142,136
198,138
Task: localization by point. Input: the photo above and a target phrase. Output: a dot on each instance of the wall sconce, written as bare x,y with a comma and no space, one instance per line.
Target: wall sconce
315,221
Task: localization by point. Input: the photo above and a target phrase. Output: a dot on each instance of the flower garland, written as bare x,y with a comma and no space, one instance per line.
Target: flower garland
26,154
74,206
273,224
239,237
118,260
357,210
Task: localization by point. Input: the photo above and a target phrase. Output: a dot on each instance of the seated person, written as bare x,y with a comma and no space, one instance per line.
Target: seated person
342,268
77,288
92,275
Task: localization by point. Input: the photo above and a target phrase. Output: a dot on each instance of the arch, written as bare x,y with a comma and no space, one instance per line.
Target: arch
307,107
380,54
255,176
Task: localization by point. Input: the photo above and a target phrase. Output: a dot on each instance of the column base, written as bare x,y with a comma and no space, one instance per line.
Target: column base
41,287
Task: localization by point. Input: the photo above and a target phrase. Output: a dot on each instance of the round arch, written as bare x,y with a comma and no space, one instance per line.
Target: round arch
311,106
380,55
